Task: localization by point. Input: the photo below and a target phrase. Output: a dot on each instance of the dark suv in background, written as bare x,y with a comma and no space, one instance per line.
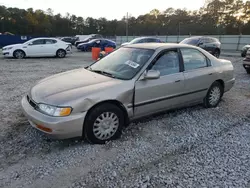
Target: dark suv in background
244,50
209,44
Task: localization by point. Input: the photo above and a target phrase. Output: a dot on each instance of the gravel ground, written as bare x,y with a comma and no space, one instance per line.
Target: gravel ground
191,147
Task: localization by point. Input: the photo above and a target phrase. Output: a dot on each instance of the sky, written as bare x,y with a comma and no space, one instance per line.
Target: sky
110,9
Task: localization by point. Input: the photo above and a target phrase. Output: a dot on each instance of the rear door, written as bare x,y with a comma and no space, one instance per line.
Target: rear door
164,93
198,72
50,47
209,45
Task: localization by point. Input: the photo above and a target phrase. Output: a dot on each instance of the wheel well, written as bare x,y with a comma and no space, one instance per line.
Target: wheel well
114,102
222,83
60,49
19,50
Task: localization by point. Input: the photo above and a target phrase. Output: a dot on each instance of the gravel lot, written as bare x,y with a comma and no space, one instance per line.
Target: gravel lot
191,147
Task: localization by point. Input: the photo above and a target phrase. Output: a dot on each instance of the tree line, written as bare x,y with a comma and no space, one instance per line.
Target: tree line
215,17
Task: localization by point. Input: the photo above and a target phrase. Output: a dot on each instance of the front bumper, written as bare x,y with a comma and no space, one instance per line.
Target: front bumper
246,64
61,127
7,53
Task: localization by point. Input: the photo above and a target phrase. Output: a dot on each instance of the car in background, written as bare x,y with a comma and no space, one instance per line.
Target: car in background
210,44
89,38
246,61
98,101
244,50
38,47
98,43
143,40
71,40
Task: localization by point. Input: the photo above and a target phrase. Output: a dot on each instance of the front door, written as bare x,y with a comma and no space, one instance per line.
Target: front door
36,48
163,93
198,72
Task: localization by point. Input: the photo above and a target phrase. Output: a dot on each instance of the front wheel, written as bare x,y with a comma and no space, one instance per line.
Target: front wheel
19,54
214,95
103,123
61,53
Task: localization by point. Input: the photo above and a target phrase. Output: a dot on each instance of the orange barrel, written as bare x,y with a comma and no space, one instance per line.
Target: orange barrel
109,49
95,53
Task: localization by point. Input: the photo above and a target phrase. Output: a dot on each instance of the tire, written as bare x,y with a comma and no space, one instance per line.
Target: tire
19,54
61,53
97,133
248,71
217,53
214,95
88,49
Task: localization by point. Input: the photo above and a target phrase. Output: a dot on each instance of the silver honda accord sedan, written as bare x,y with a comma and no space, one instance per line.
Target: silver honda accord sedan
134,81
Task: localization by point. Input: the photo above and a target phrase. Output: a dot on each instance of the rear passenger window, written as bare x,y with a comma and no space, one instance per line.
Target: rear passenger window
50,41
193,59
168,63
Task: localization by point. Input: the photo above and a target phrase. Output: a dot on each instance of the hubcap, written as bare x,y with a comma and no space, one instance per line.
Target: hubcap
214,96
105,125
19,54
61,53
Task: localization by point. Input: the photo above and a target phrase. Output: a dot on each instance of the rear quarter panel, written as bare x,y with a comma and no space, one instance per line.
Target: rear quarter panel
225,72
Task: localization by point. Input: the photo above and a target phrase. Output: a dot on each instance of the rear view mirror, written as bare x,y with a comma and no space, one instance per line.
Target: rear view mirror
152,74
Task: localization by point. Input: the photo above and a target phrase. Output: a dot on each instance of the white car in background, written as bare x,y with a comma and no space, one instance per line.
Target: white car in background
38,47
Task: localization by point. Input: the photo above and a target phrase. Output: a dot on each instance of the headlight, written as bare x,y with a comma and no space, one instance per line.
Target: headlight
54,111
9,48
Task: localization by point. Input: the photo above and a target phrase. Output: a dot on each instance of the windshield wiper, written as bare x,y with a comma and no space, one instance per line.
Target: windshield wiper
103,73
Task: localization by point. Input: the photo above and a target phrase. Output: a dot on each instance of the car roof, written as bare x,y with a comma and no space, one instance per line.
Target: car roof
198,37
154,46
44,38
146,38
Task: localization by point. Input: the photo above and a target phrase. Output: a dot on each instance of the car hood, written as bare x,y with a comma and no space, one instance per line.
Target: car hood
71,85
13,45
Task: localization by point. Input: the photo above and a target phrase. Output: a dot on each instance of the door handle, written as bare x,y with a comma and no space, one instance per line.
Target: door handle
177,81
210,74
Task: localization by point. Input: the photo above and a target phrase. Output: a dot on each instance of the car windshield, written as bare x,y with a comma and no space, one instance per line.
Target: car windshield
191,41
123,63
27,42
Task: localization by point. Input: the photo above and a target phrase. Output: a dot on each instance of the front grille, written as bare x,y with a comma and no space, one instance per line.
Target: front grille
31,102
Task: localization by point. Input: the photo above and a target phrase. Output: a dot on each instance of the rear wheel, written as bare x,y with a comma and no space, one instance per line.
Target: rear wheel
214,95
19,54
61,53
103,123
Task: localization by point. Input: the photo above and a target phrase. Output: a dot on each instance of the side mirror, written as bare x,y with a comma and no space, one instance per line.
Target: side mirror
152,74
201,43
30,44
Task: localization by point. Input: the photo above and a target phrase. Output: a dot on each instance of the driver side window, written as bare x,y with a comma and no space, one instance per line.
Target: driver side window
38,42
167,63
